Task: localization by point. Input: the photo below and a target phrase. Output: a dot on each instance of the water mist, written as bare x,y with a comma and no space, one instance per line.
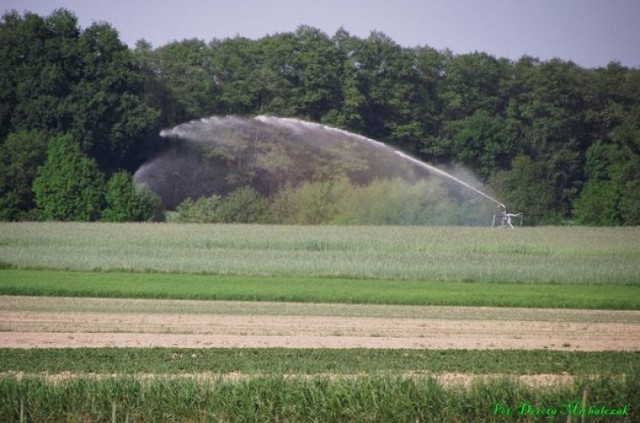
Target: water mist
219,154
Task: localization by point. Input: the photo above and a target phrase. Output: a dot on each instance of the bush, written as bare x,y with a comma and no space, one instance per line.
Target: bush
382,202
202,210
311,203
245,205
128,203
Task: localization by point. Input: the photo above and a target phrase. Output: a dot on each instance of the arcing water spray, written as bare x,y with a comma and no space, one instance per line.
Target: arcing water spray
309,150
296,123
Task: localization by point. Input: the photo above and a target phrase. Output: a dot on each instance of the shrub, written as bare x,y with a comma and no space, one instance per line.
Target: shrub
311,203
128,203
244,205
382,202
202,210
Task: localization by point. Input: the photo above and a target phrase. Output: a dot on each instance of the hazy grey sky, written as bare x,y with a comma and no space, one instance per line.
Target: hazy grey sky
591,33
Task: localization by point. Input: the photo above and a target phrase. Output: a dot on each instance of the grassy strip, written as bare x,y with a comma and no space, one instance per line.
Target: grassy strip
321,290
275,361
370,399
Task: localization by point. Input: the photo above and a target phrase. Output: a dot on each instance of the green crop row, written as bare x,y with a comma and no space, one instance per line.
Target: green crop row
529,255
363,399
277,361
310,289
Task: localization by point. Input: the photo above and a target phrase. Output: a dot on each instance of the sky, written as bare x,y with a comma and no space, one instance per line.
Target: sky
591,33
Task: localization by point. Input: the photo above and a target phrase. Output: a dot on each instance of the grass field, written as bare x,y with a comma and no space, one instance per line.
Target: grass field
319,399
117,384
530,255
347,268
316,289
283,361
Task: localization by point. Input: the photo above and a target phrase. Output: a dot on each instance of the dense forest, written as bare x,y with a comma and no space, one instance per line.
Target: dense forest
80,112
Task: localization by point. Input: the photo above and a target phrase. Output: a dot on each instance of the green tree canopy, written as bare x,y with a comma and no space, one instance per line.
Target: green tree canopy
69,185
532,128
20,156
60,79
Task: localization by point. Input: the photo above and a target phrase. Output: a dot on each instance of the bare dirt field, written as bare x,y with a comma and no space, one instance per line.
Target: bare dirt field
42,322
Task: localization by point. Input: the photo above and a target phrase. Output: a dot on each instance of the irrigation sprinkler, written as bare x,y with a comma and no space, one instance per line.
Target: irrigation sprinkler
506,218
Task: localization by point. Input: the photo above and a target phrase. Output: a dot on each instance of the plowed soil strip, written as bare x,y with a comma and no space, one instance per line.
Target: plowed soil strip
51,323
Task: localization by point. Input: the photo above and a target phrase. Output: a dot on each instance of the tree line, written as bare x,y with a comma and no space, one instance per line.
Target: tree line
552,139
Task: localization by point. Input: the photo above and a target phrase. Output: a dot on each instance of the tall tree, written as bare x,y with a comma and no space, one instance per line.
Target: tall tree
275,76
523,188
391,86
20,156
485,143
319,71
69,186
111,120
59,79
182,75
39,63
554,130
234,62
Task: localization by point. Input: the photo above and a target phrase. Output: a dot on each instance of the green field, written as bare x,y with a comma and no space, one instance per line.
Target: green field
279,361
386,265
113,384
316,289
547,267
560,255
320,399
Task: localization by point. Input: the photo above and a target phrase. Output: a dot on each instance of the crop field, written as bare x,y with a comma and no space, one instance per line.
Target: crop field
161,322
552,254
